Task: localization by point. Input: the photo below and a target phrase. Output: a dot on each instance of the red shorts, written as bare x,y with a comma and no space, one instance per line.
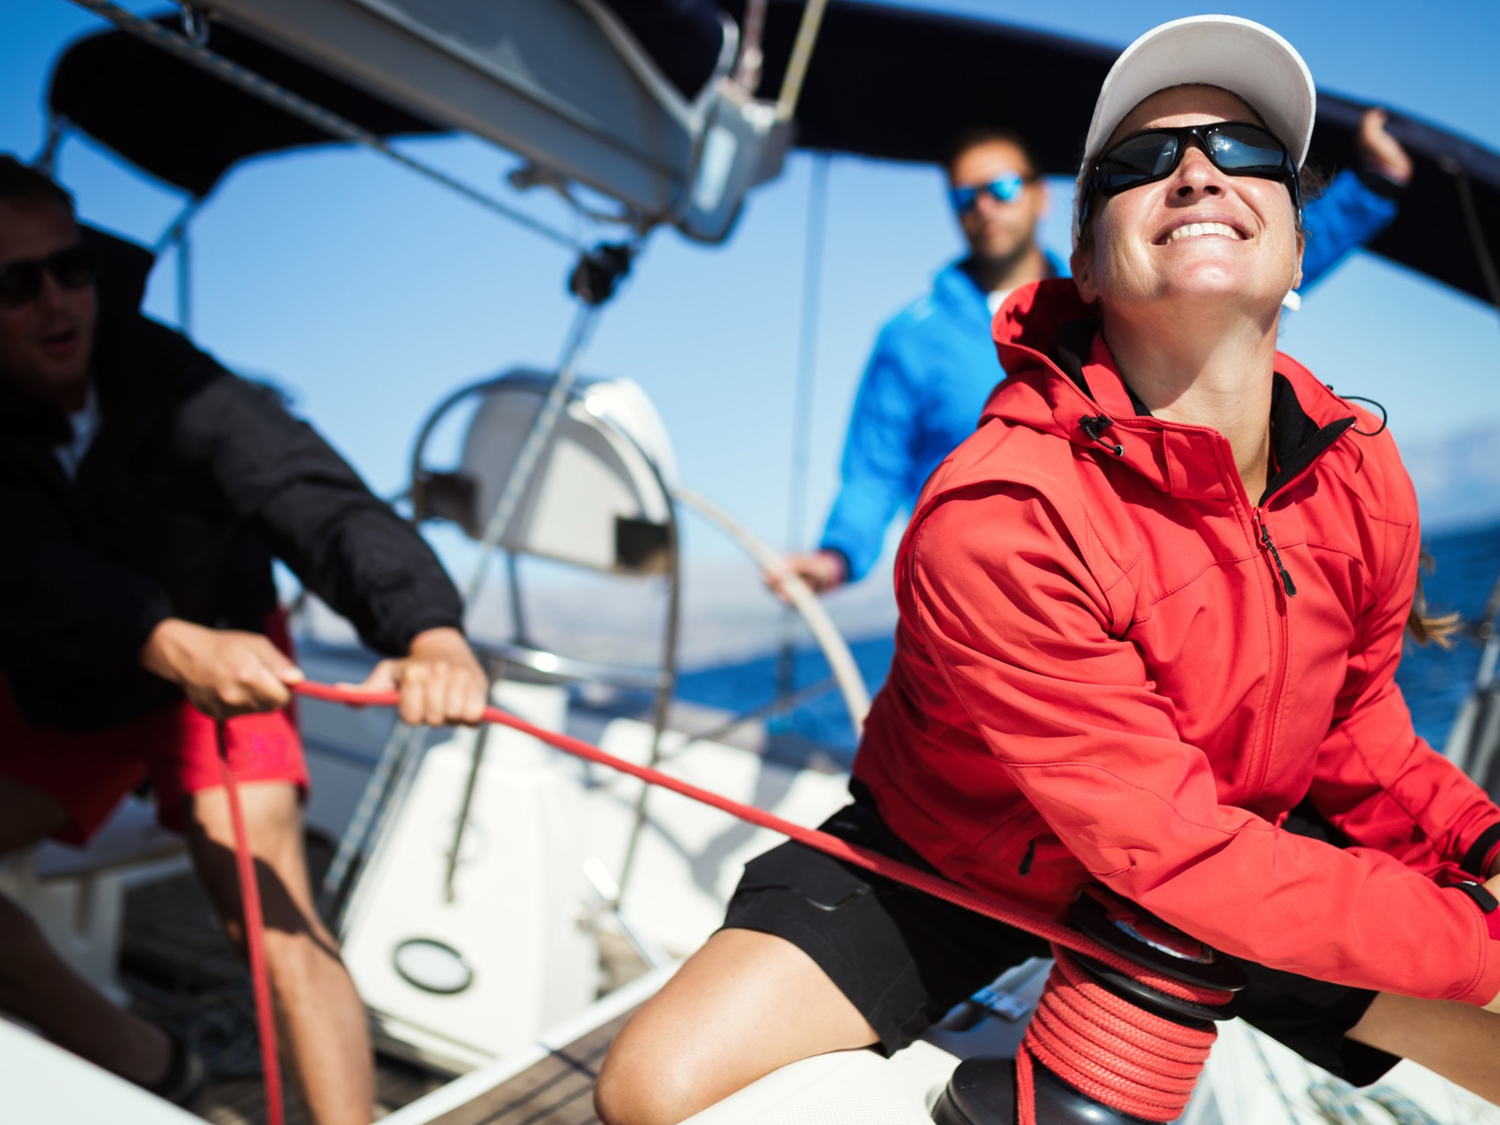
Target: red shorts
90,772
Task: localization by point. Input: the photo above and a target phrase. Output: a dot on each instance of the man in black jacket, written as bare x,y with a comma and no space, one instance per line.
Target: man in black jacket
143,493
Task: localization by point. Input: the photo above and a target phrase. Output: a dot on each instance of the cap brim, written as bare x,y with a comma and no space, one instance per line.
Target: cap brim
1238,55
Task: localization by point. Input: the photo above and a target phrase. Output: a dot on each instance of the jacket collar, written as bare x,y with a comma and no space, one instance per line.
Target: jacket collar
23,417
955,289
133,390
1063,379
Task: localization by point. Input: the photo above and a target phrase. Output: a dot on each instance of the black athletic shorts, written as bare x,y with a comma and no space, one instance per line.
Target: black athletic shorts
904,958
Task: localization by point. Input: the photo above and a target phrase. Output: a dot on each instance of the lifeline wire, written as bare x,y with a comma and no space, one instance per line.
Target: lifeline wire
313,114
807,362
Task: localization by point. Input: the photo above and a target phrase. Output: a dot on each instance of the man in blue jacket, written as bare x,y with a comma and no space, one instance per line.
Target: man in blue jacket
934,364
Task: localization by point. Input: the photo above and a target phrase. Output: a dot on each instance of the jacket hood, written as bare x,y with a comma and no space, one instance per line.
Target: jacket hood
1063,380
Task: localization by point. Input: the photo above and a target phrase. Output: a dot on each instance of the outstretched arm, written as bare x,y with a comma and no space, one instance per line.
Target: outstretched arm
1359,203
347,546
879,452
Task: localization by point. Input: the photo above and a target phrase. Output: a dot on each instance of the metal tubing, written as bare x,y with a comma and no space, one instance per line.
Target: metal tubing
313,114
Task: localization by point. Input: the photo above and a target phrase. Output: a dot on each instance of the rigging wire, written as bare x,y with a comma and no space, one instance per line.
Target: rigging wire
533,447
1481,245
313,114
1485,628
802,399
536,443
796,67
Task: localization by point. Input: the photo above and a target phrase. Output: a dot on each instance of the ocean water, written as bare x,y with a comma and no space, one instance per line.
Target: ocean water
1434,680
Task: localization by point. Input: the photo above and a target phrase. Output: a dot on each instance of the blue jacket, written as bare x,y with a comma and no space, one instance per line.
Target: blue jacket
934,366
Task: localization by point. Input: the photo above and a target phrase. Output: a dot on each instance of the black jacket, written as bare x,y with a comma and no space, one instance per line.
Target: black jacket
195,480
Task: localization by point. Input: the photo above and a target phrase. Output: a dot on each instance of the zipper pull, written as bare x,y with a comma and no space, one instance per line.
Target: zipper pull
1286,579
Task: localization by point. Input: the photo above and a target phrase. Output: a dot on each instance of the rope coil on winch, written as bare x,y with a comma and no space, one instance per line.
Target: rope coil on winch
1114,1051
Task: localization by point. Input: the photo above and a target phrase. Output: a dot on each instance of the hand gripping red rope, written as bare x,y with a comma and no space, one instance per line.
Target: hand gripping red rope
1081,1019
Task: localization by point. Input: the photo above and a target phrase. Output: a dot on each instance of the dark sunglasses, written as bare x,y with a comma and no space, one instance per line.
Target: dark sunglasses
20,282
1236,148
1003,189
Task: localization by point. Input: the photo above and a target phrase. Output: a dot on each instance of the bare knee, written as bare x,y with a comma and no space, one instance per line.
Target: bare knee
742,1006
640,1085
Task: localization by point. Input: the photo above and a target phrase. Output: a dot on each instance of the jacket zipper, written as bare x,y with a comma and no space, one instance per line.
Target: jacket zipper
1028,858
1265,537
1288,591
1280,655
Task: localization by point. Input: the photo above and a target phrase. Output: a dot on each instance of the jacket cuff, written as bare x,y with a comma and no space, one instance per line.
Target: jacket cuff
420,625
853,554
143,622
1476,860
843,558
1484,986
1380,185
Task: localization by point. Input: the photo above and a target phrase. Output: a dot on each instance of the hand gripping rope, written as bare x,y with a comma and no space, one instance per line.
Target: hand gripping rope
1140,1056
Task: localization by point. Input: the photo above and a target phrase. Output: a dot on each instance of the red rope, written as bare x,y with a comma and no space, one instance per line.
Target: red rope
265,1015
1112,1050
1106,1047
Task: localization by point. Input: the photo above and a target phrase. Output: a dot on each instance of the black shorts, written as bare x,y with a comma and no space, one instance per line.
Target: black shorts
904,958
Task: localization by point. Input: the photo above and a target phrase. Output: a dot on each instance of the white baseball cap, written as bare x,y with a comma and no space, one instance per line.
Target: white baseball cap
1238,55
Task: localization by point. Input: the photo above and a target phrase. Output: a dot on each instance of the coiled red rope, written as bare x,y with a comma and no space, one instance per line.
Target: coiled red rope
254,923
1110,1049
1104,1046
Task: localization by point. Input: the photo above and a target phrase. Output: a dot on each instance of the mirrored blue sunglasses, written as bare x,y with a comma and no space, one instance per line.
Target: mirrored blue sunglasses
1005,189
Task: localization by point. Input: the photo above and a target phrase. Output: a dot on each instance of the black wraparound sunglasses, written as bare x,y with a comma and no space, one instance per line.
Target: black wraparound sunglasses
1236,148
21,281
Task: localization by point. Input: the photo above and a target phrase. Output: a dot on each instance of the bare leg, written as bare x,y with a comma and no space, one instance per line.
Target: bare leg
742,1006
38,986
320,1017
1458,1041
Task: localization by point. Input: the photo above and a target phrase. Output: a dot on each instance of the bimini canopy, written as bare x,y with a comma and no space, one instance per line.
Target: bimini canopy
564,83
884,82
188,128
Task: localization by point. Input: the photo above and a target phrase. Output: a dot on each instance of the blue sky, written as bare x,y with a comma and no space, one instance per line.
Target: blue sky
370,293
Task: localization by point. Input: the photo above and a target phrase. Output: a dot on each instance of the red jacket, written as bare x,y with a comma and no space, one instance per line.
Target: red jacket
1100,674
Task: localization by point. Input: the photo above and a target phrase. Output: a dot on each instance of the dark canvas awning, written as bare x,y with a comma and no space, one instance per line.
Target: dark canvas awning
184,126
885,82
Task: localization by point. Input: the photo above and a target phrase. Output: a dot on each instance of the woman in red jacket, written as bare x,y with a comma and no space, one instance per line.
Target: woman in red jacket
1150,618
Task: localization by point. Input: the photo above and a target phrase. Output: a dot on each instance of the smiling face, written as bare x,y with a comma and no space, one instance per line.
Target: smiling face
46,343
1198,235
